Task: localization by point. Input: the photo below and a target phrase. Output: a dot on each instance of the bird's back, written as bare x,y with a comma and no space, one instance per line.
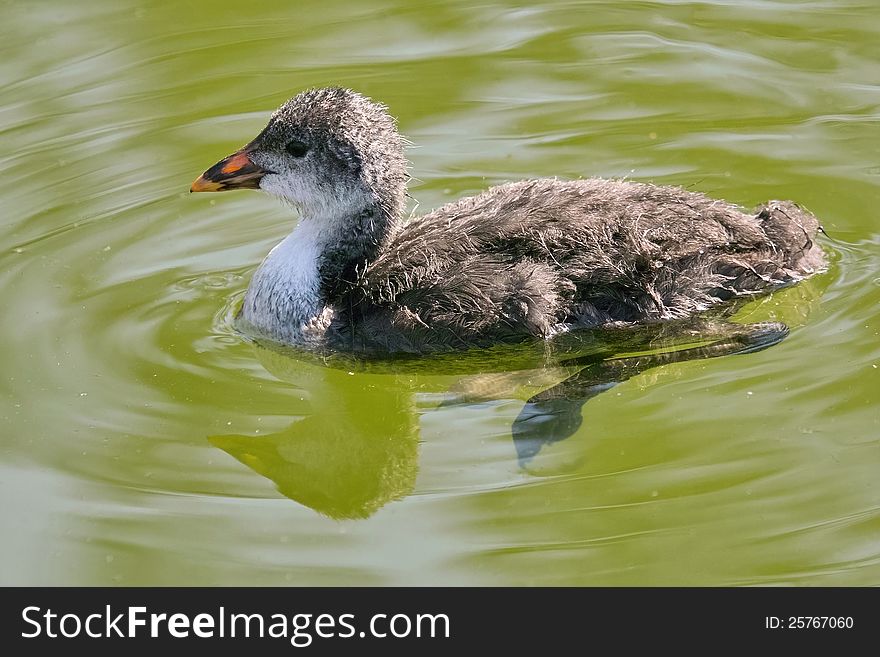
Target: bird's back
537,257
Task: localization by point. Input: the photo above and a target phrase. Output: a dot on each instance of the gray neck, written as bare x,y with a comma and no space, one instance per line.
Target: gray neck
291,295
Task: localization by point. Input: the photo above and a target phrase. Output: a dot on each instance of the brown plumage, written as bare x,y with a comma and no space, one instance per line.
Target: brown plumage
530,259
539,257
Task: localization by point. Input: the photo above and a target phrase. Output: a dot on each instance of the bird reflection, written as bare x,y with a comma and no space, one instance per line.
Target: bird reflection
356,451
357,448
555,414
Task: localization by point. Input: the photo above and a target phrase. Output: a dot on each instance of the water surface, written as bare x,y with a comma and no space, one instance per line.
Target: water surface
145,442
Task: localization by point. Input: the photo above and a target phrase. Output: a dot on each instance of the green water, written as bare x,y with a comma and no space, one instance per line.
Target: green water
145,442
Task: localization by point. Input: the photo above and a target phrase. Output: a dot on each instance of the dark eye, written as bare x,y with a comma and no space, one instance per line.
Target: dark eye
297,148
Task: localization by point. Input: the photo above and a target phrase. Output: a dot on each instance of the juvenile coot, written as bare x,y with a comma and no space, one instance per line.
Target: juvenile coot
534,258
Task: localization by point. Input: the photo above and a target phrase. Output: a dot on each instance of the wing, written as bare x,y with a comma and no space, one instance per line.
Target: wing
527,257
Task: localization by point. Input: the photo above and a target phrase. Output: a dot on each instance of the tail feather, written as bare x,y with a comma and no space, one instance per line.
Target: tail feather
792,231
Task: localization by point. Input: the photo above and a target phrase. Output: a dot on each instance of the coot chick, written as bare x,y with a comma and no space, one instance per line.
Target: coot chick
529,259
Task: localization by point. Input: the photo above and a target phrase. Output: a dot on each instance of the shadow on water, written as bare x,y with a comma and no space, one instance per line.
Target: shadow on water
555,414
357,449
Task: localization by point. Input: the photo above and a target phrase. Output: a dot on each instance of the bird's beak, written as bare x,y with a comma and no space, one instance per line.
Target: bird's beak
234,172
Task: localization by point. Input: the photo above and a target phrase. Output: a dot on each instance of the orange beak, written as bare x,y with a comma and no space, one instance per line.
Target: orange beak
234,172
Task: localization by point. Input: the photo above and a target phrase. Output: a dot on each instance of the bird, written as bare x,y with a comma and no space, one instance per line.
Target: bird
527,260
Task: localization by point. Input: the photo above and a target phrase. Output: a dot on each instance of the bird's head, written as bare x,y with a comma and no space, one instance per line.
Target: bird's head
329,152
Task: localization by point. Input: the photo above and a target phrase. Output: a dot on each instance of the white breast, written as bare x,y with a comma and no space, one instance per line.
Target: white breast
283,299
